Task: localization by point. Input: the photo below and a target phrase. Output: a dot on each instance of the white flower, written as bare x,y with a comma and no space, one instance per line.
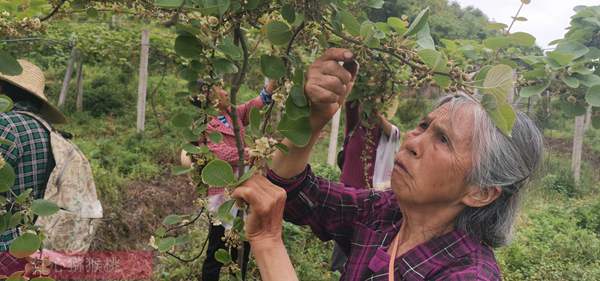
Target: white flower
152,242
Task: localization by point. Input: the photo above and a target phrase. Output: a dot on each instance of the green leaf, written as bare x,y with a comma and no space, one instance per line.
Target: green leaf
4,221
215,137
215,7
192,149
223,66
442,80
596,122
6,104
229,49
224,211
168,4
297,96
272,66
295,112
182,120
296,130
92,12
255,121
165,244
9,65
536,73
522,39
499,81
588,80
188,46
480,76
223,256
351,25
43,207
418,23
278,32
568,51
535,90
288,13
397,24
500,112
593,95
375,4
497,42
496,26
218,173
520,18
180,170
25,245
424,39
581,69
571,82
248,174
172,220
526,2
383,27
7,178
435,60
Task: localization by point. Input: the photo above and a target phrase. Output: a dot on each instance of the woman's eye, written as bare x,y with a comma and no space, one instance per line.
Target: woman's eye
444,139
423,125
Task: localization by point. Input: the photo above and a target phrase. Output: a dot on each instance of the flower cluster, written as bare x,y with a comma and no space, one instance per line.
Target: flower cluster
264,147
12,27
232,239
2,162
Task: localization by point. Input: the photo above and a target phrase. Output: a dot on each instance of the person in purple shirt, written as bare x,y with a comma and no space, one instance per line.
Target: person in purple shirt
456,186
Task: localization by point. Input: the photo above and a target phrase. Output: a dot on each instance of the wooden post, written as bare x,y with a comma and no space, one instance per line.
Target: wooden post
333,138
79,104
65,86
577,147
143,81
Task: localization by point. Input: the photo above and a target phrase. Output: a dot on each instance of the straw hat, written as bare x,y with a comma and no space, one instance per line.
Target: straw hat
32,80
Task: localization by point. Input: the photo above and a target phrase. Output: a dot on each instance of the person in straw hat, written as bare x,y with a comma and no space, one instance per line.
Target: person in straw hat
29,151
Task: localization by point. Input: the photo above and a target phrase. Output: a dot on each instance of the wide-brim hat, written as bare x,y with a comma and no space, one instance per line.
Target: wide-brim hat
32,81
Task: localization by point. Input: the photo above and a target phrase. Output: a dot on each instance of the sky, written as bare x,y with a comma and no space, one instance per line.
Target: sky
547,19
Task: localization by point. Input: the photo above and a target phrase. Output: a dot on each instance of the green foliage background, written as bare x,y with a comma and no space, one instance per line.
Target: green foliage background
558,234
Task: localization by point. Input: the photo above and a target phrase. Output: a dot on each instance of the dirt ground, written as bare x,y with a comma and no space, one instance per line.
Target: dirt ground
145,204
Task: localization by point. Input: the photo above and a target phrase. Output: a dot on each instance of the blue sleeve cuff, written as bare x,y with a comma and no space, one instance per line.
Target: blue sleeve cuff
266,98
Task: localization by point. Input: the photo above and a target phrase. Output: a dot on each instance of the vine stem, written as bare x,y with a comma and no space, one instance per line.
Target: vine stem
237,83
515,18
53,12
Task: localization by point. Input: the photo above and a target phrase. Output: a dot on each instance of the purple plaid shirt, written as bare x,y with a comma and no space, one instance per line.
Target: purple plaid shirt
365,222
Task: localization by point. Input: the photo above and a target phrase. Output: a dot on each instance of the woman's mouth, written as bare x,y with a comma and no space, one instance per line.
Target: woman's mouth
400,166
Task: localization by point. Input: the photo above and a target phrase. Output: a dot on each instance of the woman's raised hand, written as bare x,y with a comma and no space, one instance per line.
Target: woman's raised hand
328,84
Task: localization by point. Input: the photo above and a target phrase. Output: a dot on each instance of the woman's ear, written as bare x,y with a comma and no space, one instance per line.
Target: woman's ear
478,197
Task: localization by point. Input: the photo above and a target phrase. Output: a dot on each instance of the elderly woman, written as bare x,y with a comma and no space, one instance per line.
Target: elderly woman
456,186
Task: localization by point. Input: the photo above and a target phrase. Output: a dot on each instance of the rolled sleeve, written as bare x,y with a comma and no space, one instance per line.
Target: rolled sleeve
330,209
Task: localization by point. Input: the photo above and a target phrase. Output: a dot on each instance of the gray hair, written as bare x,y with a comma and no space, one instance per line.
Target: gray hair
498,160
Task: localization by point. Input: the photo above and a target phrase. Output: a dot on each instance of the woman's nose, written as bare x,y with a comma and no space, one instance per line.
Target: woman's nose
412,143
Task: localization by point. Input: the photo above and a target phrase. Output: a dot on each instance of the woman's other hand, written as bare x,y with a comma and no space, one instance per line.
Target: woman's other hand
265,217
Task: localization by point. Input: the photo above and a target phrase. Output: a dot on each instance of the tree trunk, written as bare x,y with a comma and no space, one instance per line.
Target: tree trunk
577,147
333,138
79,104
65,86
143,81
